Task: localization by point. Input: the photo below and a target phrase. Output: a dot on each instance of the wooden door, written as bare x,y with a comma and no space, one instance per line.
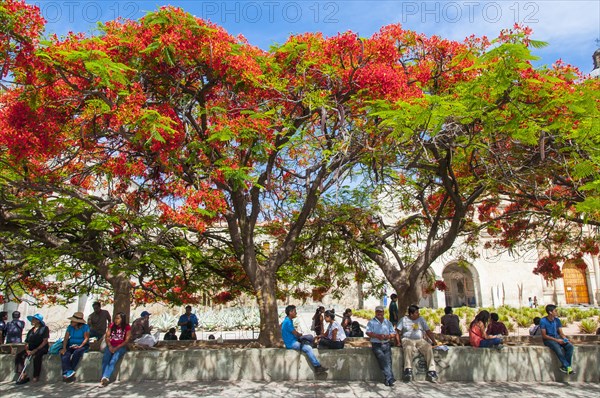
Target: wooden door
576,289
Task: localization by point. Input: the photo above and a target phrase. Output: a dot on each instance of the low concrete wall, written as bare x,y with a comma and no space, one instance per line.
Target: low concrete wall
522,364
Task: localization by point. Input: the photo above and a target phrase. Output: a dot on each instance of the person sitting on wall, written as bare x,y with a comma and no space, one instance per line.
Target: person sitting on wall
98,321
140,331
413,329
347,321
75,344
478,336
555,339
535,329
381,331
294,340
450,323
117,337
496,328
188,323
356,330
334,335
170,335
36,346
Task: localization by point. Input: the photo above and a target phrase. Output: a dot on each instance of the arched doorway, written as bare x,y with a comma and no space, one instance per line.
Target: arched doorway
461,286
576,287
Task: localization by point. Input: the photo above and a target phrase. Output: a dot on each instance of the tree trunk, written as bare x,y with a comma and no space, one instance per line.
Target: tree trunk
122,296
361,303
408,294
270,333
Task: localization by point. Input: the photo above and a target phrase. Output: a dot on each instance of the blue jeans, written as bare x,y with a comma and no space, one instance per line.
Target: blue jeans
71,358
308,351
563,352
383,353
109,360
490,342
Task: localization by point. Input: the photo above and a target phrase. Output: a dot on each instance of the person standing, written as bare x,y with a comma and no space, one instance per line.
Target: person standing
554,338
3,322
291,339
75,344
413,329
188,323
36,346
117,336
393,309
381,331
317,321
98,320
14,329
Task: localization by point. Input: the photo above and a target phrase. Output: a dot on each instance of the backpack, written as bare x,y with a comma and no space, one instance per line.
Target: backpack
56,347
14,331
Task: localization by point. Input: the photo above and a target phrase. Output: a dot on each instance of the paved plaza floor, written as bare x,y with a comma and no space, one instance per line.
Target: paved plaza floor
319,389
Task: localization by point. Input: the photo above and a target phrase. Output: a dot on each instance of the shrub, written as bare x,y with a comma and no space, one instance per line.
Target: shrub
523,321
510,326
588,326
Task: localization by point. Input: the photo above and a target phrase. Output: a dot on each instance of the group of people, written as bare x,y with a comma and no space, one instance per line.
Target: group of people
412,333
348,327
115,335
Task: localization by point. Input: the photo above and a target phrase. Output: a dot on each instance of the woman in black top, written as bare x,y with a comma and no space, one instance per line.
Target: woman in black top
36,346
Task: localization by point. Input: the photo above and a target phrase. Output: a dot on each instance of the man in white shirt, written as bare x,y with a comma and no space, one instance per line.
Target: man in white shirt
412,330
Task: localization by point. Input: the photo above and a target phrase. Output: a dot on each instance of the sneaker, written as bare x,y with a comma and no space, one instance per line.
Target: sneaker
563,369
498,347
390,382
321,369
407,375
23,380
69,374
432,376
104,382
570,370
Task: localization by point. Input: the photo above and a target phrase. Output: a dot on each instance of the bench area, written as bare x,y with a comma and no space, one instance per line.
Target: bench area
518,363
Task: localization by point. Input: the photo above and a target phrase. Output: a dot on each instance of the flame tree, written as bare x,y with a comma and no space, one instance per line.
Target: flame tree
174,121
495,148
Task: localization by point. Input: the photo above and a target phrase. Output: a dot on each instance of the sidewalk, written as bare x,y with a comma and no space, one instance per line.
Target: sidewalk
316,389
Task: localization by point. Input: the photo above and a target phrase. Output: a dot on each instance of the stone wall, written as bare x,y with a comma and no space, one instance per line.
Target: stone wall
513,363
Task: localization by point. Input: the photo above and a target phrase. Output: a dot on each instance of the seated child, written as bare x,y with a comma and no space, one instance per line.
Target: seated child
535,329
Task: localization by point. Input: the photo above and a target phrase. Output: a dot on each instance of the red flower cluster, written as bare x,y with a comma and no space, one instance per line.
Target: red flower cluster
548,267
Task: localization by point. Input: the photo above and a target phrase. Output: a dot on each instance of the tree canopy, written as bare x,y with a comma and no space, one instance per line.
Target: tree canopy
169,151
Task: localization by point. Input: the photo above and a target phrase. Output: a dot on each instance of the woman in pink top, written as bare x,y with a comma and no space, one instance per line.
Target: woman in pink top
117,336
477,335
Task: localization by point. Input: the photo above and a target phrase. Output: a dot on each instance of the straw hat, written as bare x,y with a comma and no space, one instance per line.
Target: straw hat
77,317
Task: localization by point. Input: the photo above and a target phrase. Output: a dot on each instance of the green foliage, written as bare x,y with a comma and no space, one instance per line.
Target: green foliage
235,318
588,326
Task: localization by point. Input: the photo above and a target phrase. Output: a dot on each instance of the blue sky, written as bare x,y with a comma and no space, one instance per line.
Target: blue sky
570,27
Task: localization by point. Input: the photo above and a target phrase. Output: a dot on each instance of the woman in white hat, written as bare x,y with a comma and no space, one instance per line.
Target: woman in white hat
75,344
36,346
